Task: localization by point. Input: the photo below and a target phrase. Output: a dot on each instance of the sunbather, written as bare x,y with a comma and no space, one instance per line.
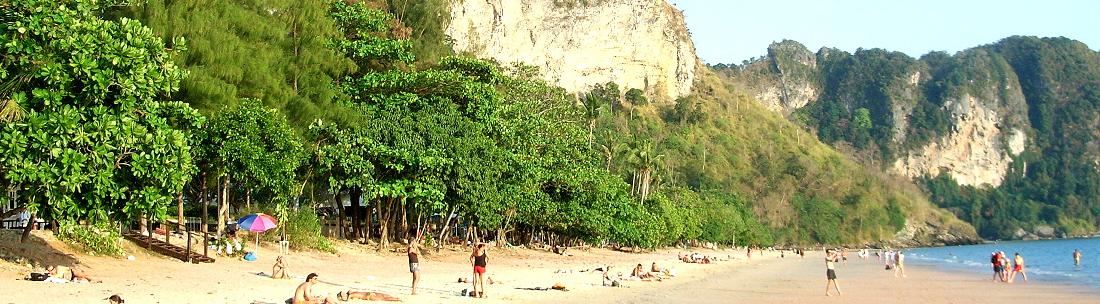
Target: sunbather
365,295
304,294
278,271
70,274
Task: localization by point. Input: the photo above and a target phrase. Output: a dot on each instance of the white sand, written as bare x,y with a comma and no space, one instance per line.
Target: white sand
151,278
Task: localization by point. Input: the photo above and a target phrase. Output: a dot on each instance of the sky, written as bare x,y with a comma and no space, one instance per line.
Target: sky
727,31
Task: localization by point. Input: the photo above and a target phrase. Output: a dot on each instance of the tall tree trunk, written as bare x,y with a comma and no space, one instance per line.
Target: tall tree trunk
384,224
202,200
356,195
223,206
339,207
248,199
404,218
179,212
446,225
371,210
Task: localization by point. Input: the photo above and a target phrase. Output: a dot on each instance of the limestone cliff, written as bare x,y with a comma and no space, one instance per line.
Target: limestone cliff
985,109
635,43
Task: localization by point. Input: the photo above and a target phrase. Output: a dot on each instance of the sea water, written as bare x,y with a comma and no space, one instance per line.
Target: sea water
1044,260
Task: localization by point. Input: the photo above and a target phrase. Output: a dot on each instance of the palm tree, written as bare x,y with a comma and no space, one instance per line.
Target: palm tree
10,109
646,160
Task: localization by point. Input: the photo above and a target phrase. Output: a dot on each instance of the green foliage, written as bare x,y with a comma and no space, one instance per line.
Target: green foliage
303,230
255,145
278,53
99,239
636,97
95,144
1052,183
428,21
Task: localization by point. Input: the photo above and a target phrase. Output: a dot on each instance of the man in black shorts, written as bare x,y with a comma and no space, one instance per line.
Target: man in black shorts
830,271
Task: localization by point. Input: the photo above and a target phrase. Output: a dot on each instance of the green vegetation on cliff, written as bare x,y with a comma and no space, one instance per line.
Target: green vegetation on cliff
1045,87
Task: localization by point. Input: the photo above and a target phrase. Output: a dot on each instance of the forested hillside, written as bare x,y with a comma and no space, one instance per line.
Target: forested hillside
113,115
896,112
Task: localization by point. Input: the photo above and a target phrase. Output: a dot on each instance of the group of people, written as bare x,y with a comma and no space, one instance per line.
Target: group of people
696,258
479,259
1001,267
895,260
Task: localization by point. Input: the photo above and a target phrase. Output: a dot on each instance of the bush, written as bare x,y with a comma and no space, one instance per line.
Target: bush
101,239
303,230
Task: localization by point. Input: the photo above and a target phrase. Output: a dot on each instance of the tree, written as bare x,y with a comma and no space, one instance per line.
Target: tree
95,144
277,52
254,146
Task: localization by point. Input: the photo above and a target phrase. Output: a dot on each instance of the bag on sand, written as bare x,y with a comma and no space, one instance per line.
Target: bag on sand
38,276
250,256
888,266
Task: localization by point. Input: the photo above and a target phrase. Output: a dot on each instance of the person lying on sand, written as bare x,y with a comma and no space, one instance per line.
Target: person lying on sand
278,271
365,295
62,273
304,294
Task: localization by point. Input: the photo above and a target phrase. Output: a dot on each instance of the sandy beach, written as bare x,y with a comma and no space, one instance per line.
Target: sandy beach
767,278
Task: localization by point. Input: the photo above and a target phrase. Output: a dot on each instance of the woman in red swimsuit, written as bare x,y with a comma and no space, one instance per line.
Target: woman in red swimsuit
479,259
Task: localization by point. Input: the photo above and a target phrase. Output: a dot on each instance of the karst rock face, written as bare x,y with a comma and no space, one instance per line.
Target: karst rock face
641,44
983,103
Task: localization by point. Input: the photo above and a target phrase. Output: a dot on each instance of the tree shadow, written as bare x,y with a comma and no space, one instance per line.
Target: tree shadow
40,250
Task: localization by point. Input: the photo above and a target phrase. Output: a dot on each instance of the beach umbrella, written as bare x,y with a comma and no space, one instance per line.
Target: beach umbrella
257,222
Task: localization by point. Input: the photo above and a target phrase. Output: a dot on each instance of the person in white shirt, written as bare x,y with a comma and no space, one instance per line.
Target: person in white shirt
24,218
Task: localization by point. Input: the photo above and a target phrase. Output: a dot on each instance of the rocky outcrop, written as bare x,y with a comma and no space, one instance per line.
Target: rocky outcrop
934,233
977,151
987,109
787,79
635,43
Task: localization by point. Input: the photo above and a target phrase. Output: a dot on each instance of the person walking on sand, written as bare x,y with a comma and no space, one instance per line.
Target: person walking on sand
899,264
1004,266
830,271
479,259
1018,268
414,261
1077,257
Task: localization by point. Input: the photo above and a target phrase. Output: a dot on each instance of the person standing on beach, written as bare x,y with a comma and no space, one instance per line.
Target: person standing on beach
414,261
479,259
899,264
830,271
1077,257
1004,266
996,261
1018,268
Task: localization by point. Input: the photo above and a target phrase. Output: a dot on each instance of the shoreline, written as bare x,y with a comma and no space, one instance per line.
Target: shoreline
766,278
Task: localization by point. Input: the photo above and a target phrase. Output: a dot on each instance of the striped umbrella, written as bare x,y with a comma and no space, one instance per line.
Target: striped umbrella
257,222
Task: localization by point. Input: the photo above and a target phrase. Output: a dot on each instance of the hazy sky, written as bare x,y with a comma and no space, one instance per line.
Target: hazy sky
732,31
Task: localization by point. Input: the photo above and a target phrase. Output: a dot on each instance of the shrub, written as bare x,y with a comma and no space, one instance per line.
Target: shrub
99,239
303,230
